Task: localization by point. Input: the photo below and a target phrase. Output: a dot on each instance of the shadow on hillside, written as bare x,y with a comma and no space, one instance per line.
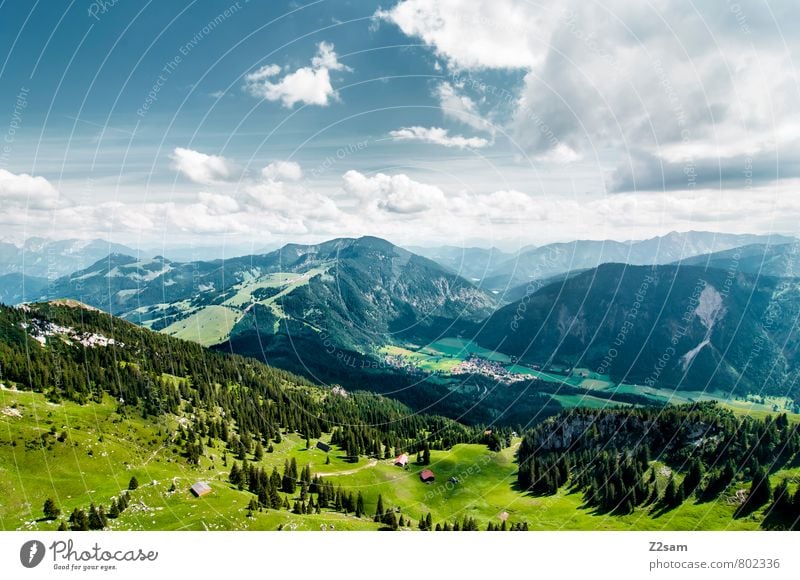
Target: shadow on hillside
780,521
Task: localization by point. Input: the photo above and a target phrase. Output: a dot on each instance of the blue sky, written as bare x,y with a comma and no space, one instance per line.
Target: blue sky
484,122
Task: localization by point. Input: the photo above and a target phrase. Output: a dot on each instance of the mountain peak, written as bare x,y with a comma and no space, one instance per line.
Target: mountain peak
374,243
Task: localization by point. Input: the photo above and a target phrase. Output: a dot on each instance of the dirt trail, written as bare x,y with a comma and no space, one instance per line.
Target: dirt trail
372,463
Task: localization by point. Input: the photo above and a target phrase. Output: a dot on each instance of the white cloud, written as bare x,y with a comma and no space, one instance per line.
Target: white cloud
654,81
461,108
27,190
310,85
437,136
326,58
199,218
283,170
393,193
200,167
561,154
263,73
504,206
476,34
218,204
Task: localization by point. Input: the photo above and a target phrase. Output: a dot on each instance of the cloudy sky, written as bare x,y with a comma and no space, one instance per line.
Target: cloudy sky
489,122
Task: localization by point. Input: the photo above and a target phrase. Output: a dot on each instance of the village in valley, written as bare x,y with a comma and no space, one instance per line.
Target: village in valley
445,360
475,365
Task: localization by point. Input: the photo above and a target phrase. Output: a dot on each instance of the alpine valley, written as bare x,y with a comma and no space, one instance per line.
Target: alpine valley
300,385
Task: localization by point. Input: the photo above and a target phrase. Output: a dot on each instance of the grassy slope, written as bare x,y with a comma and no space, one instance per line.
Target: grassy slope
212,324
29,473
208,326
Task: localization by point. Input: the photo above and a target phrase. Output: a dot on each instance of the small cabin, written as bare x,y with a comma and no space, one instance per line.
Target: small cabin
401,460
200,489
427,476
323,446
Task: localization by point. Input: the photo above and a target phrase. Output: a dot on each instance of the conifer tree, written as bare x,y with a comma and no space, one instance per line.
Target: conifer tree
360,505
50,509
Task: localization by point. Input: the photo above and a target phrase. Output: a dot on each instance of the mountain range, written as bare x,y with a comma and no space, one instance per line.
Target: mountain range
328,310
533,265
781,260
346,295
44,258
682,327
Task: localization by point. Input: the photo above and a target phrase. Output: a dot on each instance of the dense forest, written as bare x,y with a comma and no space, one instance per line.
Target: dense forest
617,459
243,402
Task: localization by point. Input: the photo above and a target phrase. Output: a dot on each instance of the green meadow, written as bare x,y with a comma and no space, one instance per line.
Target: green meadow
82,454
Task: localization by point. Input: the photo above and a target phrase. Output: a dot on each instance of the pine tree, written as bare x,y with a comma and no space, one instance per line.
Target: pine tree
50,509
235,476
258,454
95,521
274,498
113,511
288,483
359,505
379,509
782,500
693,477
760,490
426,454
390,520
670,492
78,520
133,483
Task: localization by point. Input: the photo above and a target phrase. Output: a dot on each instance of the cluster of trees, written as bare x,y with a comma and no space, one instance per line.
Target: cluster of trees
612,484
302,492
784,512
241,401
608,455
515,527
95,518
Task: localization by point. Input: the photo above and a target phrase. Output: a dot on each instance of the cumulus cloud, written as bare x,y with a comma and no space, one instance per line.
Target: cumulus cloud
283,170
498,207
437,136
309,85
22,189
218,204
475,34
197,218
289,208
200,167
659,87
459,107
393,193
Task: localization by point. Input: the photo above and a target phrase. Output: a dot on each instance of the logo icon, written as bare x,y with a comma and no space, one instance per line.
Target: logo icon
31,553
